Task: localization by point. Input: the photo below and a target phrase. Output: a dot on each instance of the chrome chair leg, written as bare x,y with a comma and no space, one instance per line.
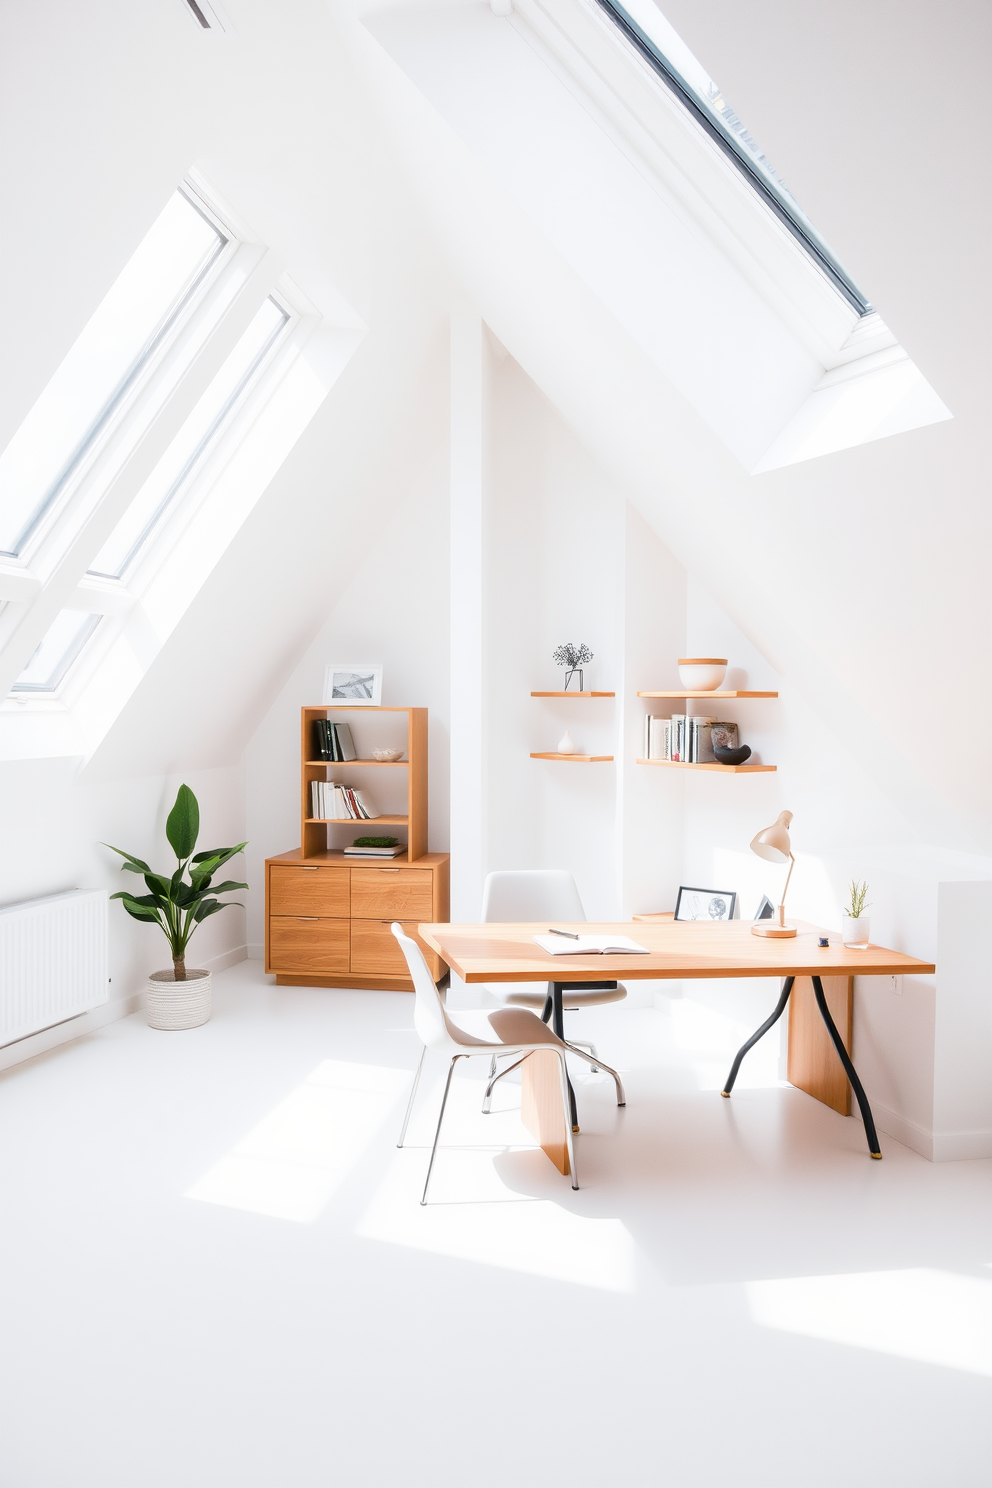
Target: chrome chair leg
444,1102
566,1105
413,1092
488,1097
621,1097
582,1044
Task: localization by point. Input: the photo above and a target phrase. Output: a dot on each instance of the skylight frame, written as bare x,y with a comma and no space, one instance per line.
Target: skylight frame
778,199
135,382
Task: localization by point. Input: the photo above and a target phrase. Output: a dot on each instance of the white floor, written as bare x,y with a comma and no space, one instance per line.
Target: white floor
216,1271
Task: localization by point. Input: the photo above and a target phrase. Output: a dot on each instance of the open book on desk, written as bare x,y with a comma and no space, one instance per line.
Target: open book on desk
590,945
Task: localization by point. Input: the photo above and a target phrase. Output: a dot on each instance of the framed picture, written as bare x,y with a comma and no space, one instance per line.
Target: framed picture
356,683
705,904
765,910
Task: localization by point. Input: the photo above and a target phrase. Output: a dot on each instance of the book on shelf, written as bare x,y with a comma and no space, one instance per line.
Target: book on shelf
376,852
333,741
686,738
332,802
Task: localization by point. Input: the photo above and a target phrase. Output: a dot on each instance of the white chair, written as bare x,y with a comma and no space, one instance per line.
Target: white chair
548,894
517,1032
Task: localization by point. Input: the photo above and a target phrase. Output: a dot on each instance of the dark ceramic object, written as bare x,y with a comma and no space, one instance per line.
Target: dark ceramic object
731,756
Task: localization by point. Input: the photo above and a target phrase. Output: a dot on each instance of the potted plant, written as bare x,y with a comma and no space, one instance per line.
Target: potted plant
179,998
856,922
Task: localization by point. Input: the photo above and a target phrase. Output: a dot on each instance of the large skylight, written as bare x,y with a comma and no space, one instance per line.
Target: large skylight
198,436
667,55
104,368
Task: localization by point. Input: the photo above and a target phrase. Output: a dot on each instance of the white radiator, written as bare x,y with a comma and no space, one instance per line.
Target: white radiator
53,960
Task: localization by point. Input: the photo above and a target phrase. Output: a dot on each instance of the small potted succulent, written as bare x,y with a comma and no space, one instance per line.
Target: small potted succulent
177,904
574,658
857,925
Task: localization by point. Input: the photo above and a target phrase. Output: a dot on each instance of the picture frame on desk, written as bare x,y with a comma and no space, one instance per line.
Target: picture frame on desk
356,684
705,904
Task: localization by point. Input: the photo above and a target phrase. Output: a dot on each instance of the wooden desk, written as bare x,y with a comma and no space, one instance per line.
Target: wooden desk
680,950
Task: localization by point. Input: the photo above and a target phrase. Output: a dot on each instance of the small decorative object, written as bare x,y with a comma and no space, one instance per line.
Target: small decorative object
823,942
702,673
725,756
765,910
387,756
565,744
856,923
705,904
775,846
179,998
358,684
574,658
375,842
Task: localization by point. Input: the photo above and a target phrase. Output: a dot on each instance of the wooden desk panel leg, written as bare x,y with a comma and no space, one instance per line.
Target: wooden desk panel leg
540,1105
813,1062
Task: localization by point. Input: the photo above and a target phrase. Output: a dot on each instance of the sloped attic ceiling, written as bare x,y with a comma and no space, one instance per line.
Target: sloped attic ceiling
860,574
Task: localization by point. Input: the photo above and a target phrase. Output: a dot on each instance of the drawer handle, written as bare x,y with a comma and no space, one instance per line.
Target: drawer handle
308,917
309,870
389,870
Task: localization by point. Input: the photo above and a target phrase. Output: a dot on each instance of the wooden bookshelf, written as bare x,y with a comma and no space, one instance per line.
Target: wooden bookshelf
574,694
314,831
579,759
724,769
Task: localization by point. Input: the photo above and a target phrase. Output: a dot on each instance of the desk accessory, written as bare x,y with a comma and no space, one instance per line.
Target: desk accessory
592,945
705,904
857,925
774,845
569,934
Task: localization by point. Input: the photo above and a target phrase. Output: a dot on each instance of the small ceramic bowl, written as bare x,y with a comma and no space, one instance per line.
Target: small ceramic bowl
386,756
702,673
731,756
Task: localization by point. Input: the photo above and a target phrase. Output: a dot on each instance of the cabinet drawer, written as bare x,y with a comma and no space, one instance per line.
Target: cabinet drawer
402,893
309,946
375,951
309,891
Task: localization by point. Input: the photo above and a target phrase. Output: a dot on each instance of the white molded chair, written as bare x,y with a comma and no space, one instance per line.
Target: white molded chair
516,1030
549,894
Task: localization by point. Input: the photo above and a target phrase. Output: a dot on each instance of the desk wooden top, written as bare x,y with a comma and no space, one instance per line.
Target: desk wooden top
678,949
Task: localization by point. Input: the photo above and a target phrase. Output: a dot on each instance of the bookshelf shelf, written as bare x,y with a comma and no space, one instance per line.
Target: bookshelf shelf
347,764
578,759
574,694
366,825
723,769
708,694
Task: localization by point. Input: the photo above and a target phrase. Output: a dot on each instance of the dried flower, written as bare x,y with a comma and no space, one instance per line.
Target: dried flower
571,656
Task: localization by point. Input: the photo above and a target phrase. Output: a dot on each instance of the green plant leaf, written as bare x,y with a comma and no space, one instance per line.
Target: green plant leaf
137,910
220,853
134,865
183,825
159,886
227,887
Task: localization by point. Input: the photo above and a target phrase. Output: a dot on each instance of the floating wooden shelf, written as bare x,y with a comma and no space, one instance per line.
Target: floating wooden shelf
369,823
573,694
581,759
326,764
725,769
709,694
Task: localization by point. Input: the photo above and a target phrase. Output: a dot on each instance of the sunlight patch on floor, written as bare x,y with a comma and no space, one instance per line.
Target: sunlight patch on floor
289,1165
934,1317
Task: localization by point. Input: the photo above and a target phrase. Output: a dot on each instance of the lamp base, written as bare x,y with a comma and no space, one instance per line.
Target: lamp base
774,932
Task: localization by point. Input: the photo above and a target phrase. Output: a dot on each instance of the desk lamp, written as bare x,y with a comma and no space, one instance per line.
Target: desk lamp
773,844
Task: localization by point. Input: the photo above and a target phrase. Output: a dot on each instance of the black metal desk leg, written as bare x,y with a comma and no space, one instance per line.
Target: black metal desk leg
851,1072
768,1023
558,1024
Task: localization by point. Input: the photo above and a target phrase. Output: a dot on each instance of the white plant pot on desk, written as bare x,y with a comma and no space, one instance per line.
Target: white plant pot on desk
173,1005
856,932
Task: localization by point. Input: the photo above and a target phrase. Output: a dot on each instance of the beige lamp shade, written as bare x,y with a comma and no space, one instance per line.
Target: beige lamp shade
773,843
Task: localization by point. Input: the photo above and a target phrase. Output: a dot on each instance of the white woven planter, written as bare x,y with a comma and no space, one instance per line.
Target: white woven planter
170,1004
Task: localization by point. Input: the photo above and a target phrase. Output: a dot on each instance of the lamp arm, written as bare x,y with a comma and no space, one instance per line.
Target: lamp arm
785,890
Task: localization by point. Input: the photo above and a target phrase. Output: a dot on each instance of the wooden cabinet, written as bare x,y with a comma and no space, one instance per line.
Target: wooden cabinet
327,921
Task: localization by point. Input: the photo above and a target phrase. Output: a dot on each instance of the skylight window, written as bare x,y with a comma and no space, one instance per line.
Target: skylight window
666,54
188,452
59,648
105,369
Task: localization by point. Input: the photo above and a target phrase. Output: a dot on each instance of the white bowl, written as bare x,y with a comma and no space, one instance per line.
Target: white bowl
702,673
386,756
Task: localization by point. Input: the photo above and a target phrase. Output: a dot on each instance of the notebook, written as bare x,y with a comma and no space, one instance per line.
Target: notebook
591,945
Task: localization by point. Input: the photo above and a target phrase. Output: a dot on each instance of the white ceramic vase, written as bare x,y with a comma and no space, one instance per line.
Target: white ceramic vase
856,932
172,1005
565,744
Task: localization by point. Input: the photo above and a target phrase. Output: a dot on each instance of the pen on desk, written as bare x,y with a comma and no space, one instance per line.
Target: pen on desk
567,933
